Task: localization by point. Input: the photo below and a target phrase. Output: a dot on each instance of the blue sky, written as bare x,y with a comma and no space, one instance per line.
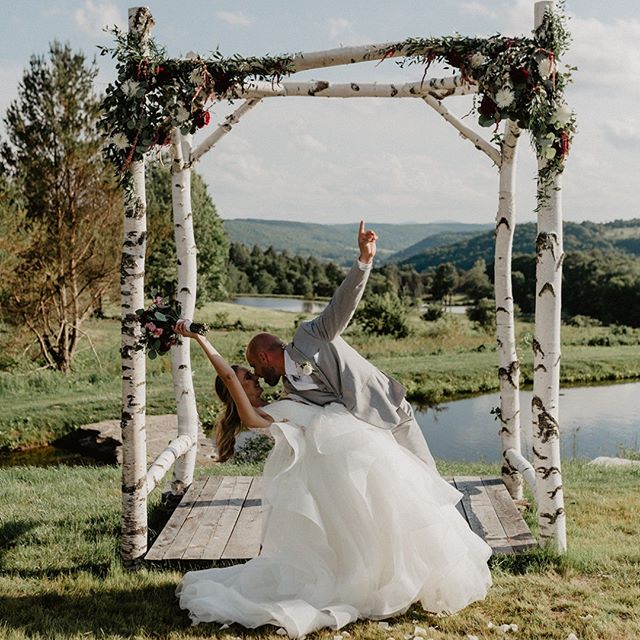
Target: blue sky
385,160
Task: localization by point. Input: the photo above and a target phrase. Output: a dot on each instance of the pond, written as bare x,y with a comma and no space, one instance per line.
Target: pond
295,305
594,421
46,456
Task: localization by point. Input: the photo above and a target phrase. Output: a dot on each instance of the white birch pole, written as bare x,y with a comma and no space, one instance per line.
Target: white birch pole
508,363
188,421
546,352
134,445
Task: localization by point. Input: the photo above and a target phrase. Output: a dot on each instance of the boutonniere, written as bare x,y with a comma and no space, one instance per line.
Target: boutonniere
307,368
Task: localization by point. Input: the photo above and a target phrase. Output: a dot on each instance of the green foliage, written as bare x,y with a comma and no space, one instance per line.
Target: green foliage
383,315
475,283
254,450
211,240
270,272
154,94
67,230
433,312
445,280
483,312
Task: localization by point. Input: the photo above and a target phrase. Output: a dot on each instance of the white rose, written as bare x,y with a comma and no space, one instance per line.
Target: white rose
119,141
183,114
477,60
562,115
307,369
196,76
504,97
546,67
130,88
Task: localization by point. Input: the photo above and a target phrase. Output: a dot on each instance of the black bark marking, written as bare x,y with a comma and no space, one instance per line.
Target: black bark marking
354,87
321,85
552,517
537,348
538,455
132,488
182,366
547,425
508,373
540,367
394,91
503,221
547,287
546,242
547,471
552,494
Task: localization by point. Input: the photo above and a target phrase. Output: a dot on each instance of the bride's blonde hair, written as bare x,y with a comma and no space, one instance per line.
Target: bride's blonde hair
228,425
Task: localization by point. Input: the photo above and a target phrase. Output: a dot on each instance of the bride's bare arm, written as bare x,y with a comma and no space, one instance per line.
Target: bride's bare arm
249,415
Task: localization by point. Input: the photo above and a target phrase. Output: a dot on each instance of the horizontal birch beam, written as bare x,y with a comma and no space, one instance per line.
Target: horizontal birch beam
524,467
440,87
163,462
346,55
222,130
478,141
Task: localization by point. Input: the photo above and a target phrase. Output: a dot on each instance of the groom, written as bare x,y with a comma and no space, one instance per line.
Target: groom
319,367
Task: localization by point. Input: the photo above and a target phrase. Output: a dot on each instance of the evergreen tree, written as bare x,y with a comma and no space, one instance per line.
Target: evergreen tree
71,229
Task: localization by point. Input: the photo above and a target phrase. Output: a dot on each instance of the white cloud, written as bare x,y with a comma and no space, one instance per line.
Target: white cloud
625,132
339,26
93,17
476,9
234,18
307,142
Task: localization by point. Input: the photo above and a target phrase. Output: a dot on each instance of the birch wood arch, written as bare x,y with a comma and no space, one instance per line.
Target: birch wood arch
146,108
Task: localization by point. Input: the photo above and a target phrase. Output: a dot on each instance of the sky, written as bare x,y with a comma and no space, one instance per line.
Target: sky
337,160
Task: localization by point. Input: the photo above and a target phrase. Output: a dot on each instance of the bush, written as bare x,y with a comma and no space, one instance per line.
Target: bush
384,315
584,321
255,449
433,312
483,313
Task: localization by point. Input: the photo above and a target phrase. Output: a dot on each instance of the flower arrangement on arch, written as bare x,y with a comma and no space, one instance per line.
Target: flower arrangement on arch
157,323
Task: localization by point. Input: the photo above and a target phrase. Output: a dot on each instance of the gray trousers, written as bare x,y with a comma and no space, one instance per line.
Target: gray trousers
409,435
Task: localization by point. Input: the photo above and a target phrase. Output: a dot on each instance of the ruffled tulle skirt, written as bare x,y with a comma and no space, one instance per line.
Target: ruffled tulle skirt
354,526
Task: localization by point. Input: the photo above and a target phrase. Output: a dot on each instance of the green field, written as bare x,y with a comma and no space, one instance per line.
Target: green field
60,576
439,361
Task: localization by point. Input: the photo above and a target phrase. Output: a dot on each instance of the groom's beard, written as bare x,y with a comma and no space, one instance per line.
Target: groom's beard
271,376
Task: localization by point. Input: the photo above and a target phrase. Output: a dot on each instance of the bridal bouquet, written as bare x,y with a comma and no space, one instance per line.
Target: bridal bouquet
157,323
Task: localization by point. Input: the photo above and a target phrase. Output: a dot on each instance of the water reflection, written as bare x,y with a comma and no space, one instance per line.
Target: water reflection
594,421
294,305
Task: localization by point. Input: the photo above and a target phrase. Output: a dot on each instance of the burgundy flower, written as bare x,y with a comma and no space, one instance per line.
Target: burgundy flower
140,70
201,118
564,144
162,75
221,83
520,75
487,107
455,59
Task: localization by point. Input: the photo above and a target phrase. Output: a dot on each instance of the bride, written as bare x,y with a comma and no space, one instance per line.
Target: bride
354,525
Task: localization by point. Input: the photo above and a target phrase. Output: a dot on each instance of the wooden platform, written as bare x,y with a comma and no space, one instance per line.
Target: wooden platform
219,519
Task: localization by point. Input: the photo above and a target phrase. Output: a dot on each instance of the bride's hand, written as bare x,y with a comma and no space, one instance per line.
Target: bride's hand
182,328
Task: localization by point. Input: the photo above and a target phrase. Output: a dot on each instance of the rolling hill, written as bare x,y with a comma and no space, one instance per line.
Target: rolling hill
610,236
337,241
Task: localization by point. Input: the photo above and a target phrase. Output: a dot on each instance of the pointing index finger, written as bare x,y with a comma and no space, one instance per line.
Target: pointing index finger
361,229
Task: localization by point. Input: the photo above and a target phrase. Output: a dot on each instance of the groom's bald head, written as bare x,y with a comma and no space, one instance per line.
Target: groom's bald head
265,354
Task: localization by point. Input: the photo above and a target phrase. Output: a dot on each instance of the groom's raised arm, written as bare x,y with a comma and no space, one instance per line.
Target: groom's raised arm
338,313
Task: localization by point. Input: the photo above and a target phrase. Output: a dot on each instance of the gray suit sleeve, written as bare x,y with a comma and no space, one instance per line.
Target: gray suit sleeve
338,313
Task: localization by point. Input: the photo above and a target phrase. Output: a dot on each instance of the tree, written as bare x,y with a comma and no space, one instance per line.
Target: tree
71,203
383,315
475,282
445,281
211,238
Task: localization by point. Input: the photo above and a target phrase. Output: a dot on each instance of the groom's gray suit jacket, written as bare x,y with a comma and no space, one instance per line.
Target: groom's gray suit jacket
341,373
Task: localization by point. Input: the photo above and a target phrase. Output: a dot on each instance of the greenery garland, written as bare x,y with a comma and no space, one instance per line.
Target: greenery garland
517,78
154,94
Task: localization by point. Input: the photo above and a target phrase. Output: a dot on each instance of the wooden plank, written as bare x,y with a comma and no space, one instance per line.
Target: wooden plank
515,527
213,517
481,514
176,521
198,509
244,542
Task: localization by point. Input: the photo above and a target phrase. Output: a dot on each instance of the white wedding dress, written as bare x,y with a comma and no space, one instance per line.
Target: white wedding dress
354,526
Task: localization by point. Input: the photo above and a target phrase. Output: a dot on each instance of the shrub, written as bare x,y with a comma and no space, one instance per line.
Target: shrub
483,313
384,315
433,312
254,449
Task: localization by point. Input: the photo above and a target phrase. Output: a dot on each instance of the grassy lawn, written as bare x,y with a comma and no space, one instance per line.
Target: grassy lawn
440,360
60,576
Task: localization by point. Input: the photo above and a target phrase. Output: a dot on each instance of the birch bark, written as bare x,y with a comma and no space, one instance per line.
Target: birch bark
188,421
509,365
546,357
134,446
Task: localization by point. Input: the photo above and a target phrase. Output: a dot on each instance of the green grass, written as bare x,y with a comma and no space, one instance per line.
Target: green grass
439,361
60,576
